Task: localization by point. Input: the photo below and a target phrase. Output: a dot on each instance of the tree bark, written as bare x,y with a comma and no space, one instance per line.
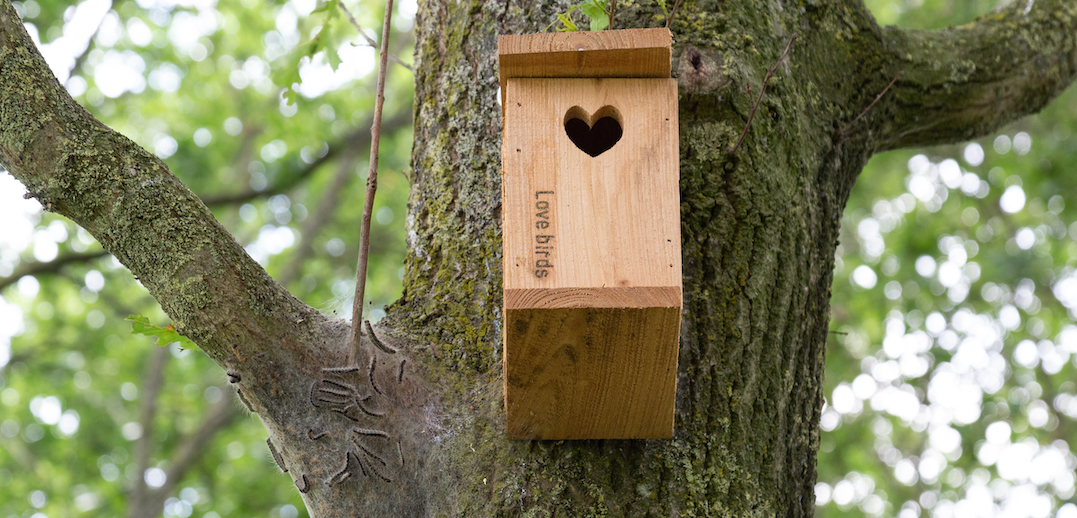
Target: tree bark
417,427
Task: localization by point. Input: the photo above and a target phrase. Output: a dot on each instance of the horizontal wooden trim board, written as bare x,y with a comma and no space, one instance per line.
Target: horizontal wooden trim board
632,297
623,53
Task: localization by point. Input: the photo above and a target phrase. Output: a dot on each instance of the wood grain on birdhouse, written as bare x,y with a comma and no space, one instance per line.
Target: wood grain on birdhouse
591,229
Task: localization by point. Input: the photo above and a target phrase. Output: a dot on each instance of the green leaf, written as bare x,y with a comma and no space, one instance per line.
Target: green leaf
141,325
286,73
331,55
291,96
592,10
596,12
566,24
317,42
324,7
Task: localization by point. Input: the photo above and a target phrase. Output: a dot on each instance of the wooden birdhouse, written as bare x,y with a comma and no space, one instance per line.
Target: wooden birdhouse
591,229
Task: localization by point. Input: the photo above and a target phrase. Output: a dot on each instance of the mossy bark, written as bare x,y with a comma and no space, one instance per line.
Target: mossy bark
759,230
417,427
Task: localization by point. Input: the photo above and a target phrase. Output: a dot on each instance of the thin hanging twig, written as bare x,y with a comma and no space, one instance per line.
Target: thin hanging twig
613,8
366,37
371,190
669,19
751,114
877,97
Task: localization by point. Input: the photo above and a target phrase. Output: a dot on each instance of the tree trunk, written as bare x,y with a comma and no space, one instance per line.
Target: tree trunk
417,427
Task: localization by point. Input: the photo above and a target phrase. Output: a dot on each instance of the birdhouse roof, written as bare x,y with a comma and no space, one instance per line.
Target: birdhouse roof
621,53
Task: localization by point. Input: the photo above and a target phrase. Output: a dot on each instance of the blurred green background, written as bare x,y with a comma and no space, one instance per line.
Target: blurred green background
192,81
950,368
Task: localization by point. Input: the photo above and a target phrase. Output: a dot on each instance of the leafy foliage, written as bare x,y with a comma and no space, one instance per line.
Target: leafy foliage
200,83
949,376
322,42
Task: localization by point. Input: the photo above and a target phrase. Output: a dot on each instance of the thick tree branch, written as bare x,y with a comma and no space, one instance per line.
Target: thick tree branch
354,140
967,81
52,266
758,234
135,207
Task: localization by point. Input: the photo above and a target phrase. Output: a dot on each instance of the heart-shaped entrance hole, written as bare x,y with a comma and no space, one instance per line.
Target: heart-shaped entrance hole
593,134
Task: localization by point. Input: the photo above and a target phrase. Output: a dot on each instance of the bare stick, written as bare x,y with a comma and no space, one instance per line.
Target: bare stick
870,106
613,8
751,114
371,190
673,13
369,41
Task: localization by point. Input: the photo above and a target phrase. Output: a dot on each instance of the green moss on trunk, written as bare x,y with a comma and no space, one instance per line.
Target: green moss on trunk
759,229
